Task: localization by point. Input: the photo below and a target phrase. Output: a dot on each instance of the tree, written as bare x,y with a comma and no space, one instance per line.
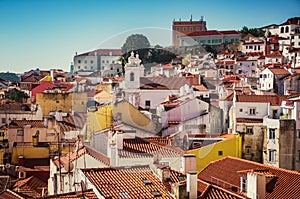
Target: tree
135,42
256,32
16,95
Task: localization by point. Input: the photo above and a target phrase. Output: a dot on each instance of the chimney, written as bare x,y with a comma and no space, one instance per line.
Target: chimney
191,184
188,163
119,138
166,174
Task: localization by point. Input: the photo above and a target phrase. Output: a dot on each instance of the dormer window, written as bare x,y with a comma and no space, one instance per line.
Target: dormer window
131,76
243,184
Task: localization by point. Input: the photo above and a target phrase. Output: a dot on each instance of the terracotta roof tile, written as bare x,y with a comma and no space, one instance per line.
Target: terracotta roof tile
132,182
139,147
32,187
14,106
22,123
88,194
169,83
224,173
8,194
246,120
275,100
74,155
279,71
72,122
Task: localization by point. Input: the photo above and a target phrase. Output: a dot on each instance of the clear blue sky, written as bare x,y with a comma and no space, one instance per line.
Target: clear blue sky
47,33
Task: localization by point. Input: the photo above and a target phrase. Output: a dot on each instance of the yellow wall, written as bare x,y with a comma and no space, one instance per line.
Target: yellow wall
99,120
79,102
54,101
2,151
29,152
132,116
105,87
206,154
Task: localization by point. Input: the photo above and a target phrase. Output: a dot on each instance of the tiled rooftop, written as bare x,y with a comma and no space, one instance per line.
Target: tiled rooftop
246,120
14,106
74,155
169,83
279,71
275,100
225,171
31,187
22,123
139,147
72,122
122,182
88,194
8,194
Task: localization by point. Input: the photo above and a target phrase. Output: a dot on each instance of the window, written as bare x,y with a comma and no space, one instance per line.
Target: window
191,28
178,29
282,30
85,61
272,154
220,153
243,185
298,155
197,28
147,103
258,47
252,111
1,134
248,149
249,130
184,28
241,110
299,134
271,134
103,61
3,120
107,61
79,61
78,67
85,67
231,66
131,76
208,41
286,29
92,61
20,133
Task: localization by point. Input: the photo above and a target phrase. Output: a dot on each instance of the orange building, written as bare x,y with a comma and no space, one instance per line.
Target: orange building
181,28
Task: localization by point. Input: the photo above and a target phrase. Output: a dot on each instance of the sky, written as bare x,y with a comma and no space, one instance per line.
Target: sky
46,34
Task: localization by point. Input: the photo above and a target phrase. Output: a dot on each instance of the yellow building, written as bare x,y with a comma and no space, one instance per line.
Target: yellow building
105,86
54,102
232,146
98,119
62,101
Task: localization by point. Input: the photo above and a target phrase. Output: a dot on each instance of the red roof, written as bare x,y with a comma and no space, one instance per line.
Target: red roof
113,52
225,173
246,120
275,100
279,71
31,187
212,32
22,123
275,54
88,194
132,182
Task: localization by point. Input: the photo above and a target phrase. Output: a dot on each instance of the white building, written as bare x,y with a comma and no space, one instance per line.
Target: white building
97,60
253,45
210,37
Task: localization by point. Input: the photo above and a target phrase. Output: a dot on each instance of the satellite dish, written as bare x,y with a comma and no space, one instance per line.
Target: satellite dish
69,166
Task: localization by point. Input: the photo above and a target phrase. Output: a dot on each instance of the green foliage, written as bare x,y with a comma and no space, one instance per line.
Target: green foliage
253,31
15,95
211,49
135,42
150,55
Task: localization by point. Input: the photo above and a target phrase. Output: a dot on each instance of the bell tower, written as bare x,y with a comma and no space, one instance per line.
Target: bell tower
133,71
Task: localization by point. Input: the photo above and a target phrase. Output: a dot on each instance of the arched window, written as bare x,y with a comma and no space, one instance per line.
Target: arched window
282,30
286,29
131,76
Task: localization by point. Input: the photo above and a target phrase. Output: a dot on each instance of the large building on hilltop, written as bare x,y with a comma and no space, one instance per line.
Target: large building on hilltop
181,28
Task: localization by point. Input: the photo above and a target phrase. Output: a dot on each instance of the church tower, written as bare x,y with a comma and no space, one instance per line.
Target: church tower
133,71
